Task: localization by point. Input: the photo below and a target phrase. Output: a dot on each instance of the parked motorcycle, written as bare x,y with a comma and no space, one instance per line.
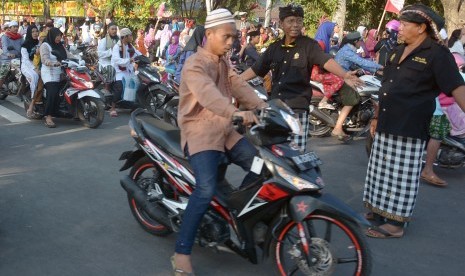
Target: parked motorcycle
322,121
11,82
451,153
77,97
151,94
284,213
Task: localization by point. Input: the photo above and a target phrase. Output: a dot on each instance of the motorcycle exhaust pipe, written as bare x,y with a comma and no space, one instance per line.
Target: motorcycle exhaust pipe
315,112
155,211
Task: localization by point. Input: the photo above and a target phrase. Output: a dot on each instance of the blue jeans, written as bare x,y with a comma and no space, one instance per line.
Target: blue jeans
205,165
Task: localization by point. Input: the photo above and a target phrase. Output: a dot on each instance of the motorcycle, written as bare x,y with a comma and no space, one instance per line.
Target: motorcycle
11,82
151,93
451,153
284,213
322,121
77,97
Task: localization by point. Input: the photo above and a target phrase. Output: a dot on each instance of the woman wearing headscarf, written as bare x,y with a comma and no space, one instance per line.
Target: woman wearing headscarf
29,71
324,34
415,73
140,42
52,52
149,42
165,37
172,53
370,43
196,40
363,52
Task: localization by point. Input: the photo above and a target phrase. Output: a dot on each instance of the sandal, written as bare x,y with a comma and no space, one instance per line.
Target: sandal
342,137
380,233
50,125
113,113
179,272
434,180
30,114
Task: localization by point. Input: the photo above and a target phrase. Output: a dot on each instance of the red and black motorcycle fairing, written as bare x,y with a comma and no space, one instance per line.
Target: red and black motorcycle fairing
247,220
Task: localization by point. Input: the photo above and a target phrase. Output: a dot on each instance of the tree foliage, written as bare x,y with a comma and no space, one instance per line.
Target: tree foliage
359,12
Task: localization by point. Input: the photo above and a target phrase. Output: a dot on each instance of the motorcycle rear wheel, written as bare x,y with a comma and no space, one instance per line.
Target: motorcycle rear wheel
145,165
335,246
92,113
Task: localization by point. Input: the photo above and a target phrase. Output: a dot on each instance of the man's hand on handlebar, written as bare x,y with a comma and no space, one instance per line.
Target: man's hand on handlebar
248,117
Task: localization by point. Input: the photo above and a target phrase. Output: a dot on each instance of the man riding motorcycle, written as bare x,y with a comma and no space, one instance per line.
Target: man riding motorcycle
122,59
11,46
104,52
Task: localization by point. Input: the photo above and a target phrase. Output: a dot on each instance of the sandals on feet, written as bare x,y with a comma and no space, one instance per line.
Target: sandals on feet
50,125
380,233
342,137
434,180
113,113
179,272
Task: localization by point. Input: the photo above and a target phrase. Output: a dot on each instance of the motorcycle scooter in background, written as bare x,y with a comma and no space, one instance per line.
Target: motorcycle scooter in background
77,97
11,82
322,121
151,94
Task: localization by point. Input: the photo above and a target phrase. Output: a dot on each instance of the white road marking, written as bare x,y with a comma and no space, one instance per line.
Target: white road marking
12,116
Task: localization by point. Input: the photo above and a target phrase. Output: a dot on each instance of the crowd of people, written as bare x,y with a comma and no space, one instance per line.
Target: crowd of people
414,73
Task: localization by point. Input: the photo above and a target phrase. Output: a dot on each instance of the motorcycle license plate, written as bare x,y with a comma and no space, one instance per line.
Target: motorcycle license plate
307,161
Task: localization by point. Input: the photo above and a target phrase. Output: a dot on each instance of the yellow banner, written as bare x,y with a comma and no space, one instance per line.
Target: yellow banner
37,8
72,8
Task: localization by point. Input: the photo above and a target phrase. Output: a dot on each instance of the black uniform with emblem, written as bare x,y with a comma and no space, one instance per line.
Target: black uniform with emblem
291,67
409,88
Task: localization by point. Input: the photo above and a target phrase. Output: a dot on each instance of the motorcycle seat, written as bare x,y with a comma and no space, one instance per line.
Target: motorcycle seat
455,141
163,134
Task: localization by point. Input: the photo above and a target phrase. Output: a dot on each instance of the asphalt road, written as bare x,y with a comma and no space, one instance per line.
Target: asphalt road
63,212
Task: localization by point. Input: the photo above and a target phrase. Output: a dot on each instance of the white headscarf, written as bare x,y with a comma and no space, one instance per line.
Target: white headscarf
361,29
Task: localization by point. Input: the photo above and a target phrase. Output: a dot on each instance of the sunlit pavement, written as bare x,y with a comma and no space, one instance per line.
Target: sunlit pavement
63,212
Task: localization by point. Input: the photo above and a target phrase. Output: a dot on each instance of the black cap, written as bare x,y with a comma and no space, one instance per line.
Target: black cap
290,10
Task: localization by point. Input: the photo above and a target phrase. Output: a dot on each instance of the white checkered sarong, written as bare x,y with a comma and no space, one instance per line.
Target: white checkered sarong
301,140
393,176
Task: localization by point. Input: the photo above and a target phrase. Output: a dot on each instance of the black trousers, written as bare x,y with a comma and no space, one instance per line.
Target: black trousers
116,89
53,98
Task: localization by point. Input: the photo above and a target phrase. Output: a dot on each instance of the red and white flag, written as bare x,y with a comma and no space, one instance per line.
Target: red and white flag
394,5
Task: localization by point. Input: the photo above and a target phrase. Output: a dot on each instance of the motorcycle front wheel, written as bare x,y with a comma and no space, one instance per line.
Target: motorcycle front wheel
91,111
322,244
143,173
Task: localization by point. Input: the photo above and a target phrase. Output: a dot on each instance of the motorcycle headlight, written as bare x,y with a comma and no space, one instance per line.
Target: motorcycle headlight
293,123
295,181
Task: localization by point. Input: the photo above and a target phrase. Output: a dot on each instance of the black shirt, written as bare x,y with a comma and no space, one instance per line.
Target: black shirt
250,55
291,68
408,92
